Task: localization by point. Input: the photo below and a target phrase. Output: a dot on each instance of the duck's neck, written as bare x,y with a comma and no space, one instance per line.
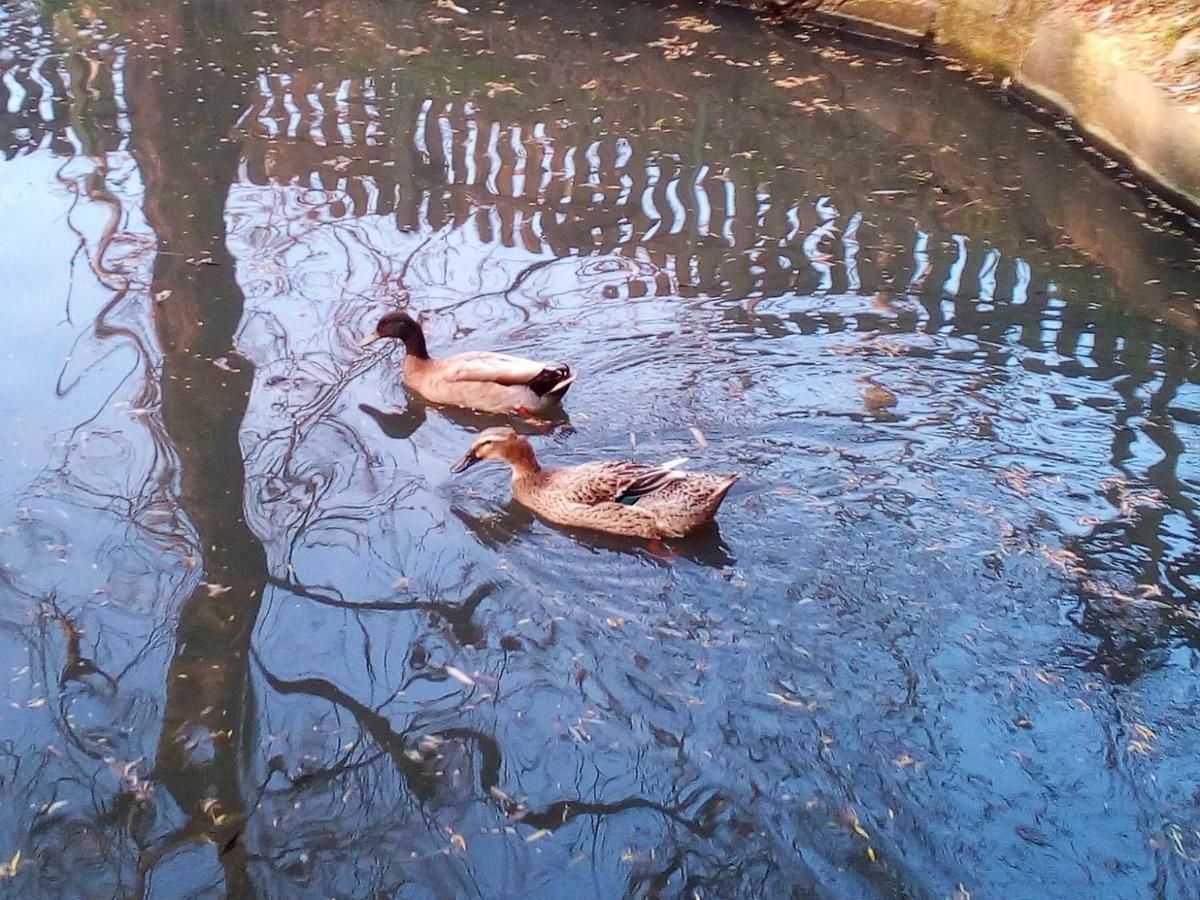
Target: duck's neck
521,460
414,345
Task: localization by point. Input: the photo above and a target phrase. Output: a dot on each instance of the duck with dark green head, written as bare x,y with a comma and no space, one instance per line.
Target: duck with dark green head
478,380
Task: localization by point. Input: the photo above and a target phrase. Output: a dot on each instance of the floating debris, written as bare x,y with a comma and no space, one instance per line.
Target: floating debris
9,869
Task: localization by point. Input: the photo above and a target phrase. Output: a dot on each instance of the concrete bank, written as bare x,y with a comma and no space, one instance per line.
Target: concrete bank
1054,59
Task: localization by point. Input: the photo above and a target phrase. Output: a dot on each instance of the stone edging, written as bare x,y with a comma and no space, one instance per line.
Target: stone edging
1052,60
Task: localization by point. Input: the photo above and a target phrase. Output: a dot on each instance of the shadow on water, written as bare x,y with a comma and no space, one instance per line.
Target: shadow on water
260,642
509,525
403,424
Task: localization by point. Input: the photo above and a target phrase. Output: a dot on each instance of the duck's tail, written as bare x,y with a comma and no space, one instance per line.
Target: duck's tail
719,492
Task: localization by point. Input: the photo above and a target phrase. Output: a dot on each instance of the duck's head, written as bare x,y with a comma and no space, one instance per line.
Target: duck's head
496,443
399,326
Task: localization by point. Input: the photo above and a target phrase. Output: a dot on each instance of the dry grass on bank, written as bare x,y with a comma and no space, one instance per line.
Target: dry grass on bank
1161,36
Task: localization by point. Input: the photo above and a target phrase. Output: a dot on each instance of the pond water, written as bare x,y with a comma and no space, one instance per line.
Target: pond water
259,642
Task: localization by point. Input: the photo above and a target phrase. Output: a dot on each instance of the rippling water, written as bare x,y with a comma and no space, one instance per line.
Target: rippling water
259,642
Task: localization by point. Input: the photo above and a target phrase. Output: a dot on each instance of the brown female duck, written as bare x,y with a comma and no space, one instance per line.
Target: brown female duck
617,497
482,381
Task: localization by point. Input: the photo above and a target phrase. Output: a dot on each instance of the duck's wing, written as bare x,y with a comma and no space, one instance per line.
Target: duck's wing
612,482
651,480
596,482
500,368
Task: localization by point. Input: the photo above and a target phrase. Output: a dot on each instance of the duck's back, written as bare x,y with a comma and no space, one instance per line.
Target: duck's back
497,368
606,496
489,382
684,504
574,498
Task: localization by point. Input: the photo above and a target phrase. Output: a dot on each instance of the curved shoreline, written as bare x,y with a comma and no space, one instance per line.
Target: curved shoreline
1047,56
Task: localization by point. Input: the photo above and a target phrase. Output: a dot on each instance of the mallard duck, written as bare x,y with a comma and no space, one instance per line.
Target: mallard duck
877,398
482,381
618,497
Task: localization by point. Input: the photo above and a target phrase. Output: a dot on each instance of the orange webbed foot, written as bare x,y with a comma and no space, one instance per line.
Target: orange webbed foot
659,549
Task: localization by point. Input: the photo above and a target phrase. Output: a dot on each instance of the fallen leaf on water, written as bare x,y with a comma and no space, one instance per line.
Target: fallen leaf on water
590,85
216,590
459,841
698,435
537,835
459,675
500,87
626,57
673,47
786,701
794,81
694,23
1068,562
9,869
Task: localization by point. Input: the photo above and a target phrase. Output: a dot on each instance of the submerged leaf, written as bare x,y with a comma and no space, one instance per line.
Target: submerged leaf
459,675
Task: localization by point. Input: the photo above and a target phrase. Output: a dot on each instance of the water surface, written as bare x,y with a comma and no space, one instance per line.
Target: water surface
259,642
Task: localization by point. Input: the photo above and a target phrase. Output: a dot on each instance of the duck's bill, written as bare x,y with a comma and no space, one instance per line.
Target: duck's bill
369,339
465,463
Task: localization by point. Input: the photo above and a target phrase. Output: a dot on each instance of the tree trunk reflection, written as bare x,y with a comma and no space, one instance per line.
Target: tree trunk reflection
188,163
